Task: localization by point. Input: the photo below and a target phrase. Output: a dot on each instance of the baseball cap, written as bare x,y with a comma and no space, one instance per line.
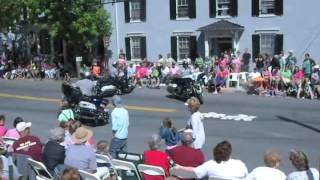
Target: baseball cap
21,126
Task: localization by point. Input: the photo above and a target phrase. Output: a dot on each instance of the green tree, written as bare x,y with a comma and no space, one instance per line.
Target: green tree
9,14
78,22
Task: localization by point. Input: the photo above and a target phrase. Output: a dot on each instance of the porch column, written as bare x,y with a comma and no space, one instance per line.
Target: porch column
206,47
236,40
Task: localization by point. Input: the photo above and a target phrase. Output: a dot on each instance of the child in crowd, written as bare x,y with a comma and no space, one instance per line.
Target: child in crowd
169,133
103,148
3,128
13,133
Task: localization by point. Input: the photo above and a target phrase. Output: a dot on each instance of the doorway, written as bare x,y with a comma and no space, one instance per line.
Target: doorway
220,45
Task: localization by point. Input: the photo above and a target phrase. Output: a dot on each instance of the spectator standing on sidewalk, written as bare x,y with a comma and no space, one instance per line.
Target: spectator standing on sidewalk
195,122
246,56
120,125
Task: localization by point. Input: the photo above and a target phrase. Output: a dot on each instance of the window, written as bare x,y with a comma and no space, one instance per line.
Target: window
135,47
135,10
183,46
270,43
182,9
223,8
267,7
267,43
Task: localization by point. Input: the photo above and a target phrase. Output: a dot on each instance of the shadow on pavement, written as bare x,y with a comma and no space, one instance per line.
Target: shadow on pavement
298,123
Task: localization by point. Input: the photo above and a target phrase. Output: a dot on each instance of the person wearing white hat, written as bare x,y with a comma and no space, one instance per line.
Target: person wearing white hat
27,144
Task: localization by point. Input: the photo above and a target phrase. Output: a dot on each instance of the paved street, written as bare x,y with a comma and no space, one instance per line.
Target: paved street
281,124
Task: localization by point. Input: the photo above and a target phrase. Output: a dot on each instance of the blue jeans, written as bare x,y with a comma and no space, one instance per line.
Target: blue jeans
117,146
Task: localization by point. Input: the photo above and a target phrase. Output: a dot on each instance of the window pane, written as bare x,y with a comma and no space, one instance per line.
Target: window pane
182,8
267,6
135,8
183,47
223,7
267,43
136,47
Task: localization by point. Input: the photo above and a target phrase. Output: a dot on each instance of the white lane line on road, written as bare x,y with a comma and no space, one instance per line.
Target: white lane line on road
238,117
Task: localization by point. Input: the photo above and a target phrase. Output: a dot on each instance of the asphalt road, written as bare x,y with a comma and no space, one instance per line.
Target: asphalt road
281,124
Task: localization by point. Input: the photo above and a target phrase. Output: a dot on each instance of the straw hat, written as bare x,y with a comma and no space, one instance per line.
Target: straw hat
81,135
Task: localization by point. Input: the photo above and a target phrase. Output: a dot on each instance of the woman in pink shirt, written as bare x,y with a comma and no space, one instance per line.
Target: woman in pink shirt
297,75
13,133
3,128
236,64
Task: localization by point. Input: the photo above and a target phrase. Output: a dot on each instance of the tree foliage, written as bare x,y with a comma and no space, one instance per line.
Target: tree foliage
78,21
9,13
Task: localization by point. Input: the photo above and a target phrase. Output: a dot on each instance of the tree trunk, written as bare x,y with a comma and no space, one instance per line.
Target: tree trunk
65,51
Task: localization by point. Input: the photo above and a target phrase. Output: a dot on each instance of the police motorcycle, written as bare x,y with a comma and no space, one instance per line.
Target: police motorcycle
88,110
186,87
114,86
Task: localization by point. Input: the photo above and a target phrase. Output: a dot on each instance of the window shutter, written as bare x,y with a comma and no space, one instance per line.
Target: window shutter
234,8
174,47
143,11
126,11
173,13
193,48
278,7
143,47
255,8
192,9
128,48
255,46
212,8
278,44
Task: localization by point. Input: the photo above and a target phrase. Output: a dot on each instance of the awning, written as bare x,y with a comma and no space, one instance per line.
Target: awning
221,25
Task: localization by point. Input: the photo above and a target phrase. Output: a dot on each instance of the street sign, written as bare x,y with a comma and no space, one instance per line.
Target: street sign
79,59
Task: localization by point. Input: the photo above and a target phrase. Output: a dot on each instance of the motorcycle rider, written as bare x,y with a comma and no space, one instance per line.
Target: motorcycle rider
85,84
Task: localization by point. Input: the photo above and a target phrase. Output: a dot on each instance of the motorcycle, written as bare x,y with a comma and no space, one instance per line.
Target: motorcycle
88,110
185,88
114,86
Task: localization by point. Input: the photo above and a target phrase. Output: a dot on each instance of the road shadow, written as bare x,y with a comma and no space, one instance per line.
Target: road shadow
170,96
298,123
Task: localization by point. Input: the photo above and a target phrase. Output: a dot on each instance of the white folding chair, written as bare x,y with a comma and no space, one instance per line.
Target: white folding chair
233,77
121,165
130,157
151,170
9,140
243,77
183,174
219,178
40,169
87,176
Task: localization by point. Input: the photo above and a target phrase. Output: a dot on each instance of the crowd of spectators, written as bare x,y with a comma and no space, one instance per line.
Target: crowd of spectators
271,75
70,148
275,75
